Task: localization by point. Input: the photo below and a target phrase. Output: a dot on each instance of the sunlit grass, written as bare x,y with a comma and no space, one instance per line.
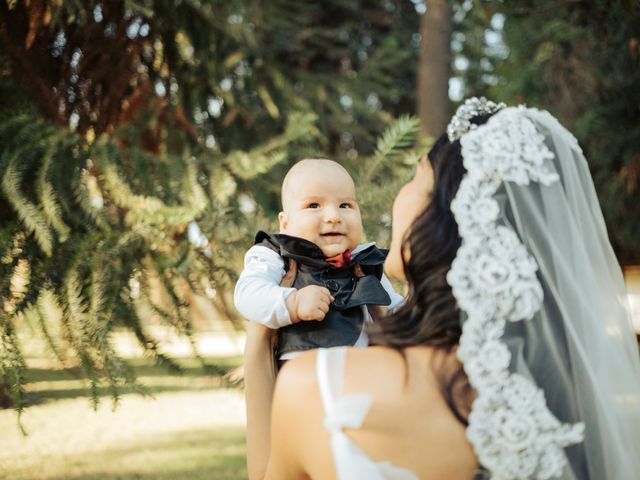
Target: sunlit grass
191,427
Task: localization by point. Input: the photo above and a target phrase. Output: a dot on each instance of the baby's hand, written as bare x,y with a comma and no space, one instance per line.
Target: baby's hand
311,303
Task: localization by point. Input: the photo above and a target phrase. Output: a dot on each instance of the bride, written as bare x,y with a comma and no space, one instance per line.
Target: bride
513,356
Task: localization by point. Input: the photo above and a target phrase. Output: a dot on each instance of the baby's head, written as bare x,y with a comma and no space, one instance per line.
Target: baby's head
319,204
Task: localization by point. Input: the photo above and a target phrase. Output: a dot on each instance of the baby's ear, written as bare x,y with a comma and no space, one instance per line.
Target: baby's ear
284,221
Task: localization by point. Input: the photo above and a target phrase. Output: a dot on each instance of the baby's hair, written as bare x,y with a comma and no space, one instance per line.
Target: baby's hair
306,162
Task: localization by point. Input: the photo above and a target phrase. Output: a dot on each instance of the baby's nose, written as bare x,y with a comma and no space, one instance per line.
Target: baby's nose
333,215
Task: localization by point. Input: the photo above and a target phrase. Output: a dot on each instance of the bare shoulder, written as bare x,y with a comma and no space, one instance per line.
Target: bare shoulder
297,418
299,375
296,400
375,366
296,383
409,409
298,372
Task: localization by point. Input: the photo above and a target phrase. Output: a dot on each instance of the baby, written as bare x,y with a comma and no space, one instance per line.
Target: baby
337,277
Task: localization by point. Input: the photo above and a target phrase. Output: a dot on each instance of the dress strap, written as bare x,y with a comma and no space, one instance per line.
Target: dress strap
339,411
348,411
330,372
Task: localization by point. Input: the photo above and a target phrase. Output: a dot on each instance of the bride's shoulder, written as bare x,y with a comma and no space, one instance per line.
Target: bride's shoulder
299,376
372,358
373,368
380,365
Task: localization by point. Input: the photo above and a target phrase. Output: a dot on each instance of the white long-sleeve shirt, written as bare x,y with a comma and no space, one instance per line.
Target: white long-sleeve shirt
259,297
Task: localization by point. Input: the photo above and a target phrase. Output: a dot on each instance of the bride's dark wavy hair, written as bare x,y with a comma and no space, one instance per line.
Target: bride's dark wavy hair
430,315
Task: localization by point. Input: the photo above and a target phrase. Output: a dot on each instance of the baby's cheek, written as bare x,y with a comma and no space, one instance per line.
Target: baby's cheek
356,233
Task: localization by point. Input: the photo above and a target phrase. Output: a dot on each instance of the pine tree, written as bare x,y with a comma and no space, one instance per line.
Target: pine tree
581,61
143,143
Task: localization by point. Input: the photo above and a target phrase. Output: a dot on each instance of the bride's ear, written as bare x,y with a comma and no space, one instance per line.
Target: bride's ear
283,220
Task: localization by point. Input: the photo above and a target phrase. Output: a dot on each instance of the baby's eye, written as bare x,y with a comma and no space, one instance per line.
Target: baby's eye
346,205
313,205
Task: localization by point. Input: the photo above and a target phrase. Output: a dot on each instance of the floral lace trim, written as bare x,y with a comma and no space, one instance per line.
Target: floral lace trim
493,279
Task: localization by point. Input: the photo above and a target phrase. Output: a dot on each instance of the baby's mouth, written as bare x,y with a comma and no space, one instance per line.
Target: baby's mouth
332,234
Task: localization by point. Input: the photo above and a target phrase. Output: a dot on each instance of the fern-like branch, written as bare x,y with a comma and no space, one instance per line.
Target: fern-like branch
12,365
48,197
400,136
30,215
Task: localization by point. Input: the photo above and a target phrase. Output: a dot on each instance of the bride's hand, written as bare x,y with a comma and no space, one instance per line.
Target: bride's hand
290,276
259,337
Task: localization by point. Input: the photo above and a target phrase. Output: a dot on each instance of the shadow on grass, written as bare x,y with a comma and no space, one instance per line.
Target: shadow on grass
46,384
190,367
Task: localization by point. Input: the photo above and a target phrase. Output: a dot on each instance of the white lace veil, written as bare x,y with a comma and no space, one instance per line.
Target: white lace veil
547,339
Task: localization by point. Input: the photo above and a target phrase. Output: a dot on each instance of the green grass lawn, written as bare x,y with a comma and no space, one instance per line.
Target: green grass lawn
191,427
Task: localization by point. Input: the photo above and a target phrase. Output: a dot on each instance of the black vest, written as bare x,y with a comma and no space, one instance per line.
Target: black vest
343,323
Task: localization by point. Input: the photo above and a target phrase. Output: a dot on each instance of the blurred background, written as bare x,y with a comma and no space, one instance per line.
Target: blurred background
143,143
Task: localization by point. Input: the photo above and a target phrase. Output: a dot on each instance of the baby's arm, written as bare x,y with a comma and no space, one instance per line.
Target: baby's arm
258,295
379,311
396,298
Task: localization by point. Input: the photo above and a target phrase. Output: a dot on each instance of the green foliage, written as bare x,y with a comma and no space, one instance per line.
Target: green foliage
83,242
391,145
380,176
33,218
580,61
144,142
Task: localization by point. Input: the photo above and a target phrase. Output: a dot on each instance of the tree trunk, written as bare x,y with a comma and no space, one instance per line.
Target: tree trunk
435,68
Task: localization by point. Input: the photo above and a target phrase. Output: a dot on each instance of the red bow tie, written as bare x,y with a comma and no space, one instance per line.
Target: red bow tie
340,260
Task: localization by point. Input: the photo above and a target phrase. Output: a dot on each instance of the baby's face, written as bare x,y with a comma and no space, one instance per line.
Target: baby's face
321,207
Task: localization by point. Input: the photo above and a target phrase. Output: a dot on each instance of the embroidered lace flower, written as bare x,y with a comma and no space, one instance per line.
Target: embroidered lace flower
493,279
492,154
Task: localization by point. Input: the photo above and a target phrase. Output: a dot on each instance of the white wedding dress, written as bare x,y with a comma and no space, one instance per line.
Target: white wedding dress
547,342
349,411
